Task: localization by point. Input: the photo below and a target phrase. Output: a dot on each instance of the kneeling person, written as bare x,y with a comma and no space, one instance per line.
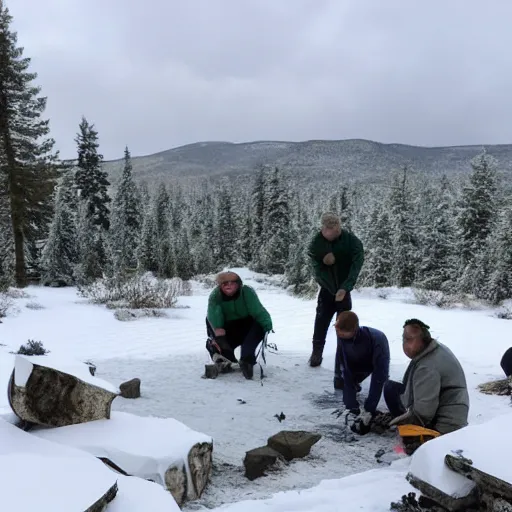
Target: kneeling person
434,392
361,352
237,318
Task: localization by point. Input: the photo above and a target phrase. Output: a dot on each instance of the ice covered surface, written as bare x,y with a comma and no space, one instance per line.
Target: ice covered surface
168,355
39,475
24,365
138,495
141,446
487,445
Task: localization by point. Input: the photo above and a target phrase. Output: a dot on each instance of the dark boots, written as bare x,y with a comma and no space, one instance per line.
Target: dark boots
247,369
317,355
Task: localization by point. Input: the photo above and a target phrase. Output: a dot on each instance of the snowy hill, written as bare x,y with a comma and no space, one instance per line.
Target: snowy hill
317,160
168,355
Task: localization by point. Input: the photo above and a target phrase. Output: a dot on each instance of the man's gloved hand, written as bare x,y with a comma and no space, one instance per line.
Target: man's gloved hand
362,423
340,295
350,416
329,259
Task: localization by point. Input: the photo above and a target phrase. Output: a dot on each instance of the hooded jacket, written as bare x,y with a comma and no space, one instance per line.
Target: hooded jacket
244,303
436,393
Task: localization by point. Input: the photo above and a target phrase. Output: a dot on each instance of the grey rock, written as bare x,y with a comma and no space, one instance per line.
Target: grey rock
258,460
130,389
293,444
211,371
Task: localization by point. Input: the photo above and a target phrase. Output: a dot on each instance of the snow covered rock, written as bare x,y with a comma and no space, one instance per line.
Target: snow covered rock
41,475
138,495
46,390
259,460
130,389
475,449
159,449
293,444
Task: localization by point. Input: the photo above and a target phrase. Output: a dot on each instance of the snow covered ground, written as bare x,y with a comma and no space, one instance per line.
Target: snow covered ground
168,355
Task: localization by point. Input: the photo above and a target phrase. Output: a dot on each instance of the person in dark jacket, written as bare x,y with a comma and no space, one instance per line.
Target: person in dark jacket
506,362
238,319
434,392
361,352
336,256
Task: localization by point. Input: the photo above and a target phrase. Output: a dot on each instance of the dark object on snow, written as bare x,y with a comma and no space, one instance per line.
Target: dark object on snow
293,444
92,368
130,389
260,459
506,362
280,417
211,371
55,399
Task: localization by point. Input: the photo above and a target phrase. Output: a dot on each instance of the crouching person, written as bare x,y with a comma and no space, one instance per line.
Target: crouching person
434,392
238,319
361,352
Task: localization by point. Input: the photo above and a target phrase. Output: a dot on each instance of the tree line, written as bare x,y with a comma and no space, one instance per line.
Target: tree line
65,223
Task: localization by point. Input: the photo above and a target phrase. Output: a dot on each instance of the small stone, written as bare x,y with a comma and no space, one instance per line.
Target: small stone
211,371
260,459
130,389
293,444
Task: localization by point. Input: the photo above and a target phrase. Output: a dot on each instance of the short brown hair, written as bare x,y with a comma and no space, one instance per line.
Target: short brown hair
330,220
347,321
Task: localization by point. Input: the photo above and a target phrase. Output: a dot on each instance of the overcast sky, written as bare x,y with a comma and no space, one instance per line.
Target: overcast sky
156,74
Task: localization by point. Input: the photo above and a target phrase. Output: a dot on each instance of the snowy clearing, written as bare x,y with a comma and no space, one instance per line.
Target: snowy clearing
168,355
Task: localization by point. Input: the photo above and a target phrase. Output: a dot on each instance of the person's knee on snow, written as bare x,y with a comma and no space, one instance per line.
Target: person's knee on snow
336,256
435,391
236,309
361,352
506,362
392,396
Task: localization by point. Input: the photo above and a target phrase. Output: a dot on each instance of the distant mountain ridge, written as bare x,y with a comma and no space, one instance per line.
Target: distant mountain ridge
359,159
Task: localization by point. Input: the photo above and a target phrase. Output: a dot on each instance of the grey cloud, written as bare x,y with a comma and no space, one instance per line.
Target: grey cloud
165,73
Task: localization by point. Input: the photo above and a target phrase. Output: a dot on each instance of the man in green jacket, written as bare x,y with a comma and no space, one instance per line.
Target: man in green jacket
235,318
336,256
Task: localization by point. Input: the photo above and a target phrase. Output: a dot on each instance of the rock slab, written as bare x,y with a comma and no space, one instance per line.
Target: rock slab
293,444
130,389
259,460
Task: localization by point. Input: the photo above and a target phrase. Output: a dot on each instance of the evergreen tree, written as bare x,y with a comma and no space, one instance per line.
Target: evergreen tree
226,229
164,234
438,265
477,212
403,233
258,217
28,166
499,285
276,245
147,249
126,221
184,263
91,180
60,252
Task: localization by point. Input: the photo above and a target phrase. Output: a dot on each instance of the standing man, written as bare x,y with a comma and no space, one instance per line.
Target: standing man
337,256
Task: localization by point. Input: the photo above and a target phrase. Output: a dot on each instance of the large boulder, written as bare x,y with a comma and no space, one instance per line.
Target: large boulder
159,449
49,391
293,444
64,478
130,388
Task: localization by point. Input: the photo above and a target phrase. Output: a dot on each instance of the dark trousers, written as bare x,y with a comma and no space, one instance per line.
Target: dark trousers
506,362
326,308
392,391
245,332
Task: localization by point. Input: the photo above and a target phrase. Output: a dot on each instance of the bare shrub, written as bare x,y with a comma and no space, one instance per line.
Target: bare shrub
34,305
505,313
6,303
17,293
32,348
434,298
138,292
497,387
125,315
382,294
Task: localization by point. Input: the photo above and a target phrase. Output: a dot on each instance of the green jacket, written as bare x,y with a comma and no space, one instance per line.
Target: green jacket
349,254
246,304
